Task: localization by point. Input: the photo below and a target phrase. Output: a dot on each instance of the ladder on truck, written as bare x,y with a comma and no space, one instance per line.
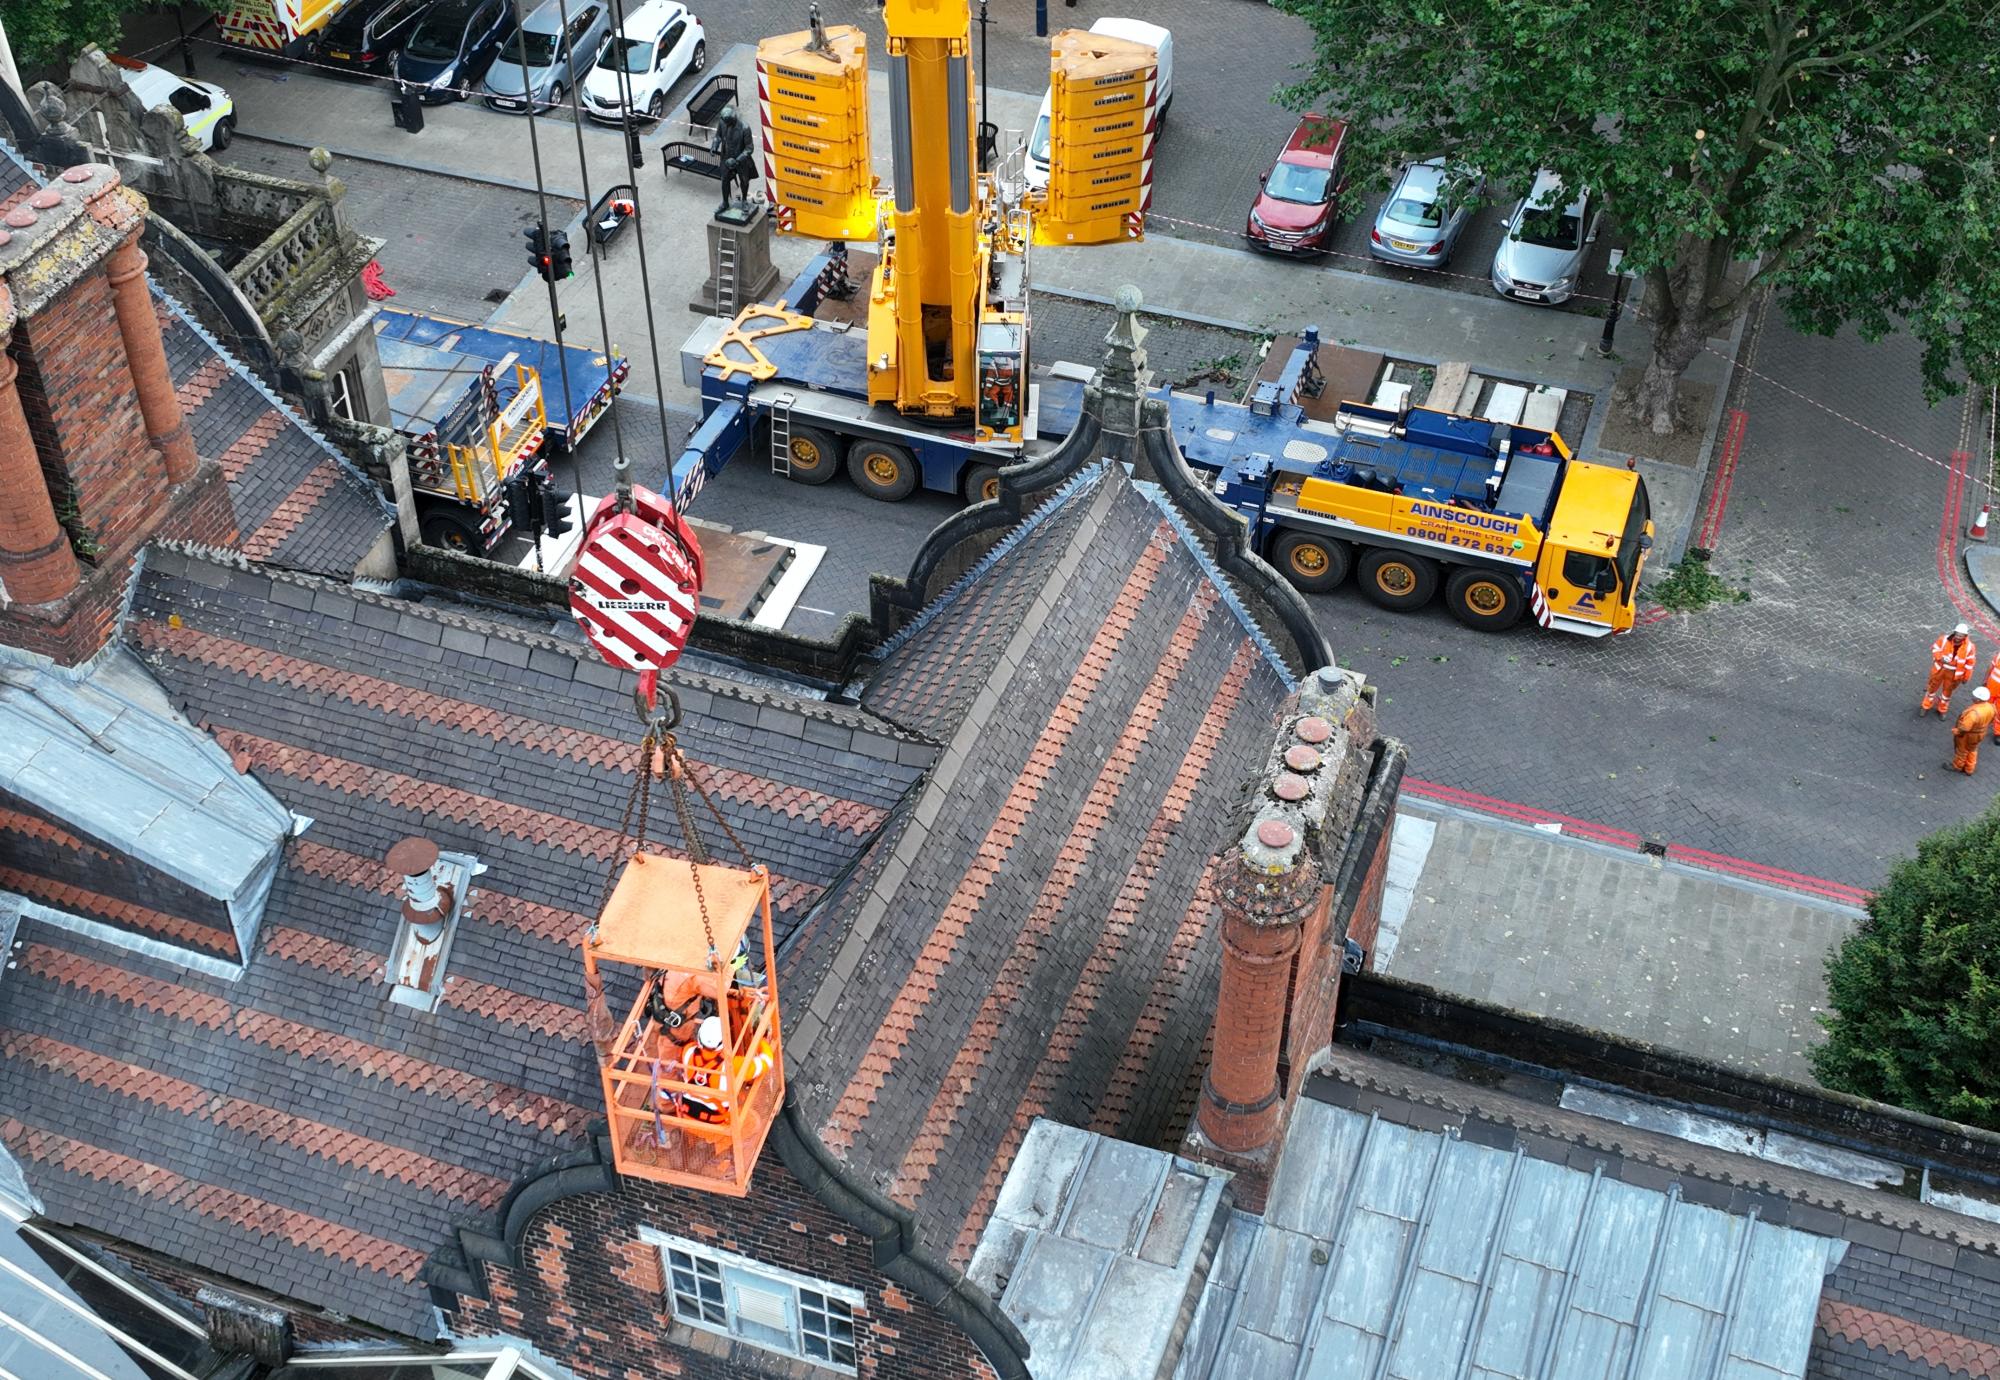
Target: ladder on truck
781,435
725,273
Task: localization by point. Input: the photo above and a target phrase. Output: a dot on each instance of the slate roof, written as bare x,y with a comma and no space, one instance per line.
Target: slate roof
1036,939
300,503
294,1128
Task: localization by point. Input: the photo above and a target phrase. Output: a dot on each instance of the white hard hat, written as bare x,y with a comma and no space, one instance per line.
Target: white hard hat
1982,693
1962,630
710,1032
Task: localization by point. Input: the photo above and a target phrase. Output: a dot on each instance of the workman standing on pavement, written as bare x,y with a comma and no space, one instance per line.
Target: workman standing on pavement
1952,659
1993,689
1970,730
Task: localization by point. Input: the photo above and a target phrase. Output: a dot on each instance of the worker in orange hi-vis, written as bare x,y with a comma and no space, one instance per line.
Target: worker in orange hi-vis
708,1067
1993,689
1952,659
1970,731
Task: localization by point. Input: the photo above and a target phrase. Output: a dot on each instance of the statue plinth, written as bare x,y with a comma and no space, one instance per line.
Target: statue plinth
746,227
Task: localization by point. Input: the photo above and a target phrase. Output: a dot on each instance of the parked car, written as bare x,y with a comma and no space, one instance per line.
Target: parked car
1427,210
366,35
1138,31
207,111
542,60
660,43
1294,210
452,46
1541,257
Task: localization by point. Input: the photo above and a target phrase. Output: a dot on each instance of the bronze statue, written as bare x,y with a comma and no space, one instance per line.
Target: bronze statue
734,149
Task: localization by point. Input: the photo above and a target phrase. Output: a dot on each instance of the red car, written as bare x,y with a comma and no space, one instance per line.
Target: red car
1293,213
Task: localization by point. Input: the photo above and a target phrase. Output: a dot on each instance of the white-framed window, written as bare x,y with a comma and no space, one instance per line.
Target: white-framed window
766,1306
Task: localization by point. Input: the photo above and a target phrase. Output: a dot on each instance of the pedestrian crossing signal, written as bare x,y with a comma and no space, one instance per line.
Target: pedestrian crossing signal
559,257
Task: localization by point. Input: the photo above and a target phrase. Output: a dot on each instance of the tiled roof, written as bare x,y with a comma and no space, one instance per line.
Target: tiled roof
299,503
294,1128
1036,942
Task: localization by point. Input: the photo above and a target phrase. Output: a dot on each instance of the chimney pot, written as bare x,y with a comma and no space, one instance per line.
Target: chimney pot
1275,833
45,199
1312,729
21,218
1291,788
82,172
413,857
1301,757
1329,677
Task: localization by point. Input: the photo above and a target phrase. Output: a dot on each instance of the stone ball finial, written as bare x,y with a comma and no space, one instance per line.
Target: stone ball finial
1128,299
320,159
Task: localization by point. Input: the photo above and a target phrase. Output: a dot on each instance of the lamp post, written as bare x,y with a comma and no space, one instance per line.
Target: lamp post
1618,281
1041,18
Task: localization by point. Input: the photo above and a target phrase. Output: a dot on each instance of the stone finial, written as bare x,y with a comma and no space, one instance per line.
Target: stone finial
1124,377
321,160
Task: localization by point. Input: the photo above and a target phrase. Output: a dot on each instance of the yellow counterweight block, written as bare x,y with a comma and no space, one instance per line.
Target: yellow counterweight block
812,101
1102,123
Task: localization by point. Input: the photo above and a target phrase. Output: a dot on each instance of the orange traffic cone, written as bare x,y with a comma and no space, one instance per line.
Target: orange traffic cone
1977,532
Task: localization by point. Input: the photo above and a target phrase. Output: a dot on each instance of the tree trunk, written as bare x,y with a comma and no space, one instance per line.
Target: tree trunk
1657,401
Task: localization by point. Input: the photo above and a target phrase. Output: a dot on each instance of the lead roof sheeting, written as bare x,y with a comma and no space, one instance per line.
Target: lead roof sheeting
1580,1261
110,757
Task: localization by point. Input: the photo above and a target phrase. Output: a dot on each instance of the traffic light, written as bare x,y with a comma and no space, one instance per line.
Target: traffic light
520,496
555,512
538,251
559,262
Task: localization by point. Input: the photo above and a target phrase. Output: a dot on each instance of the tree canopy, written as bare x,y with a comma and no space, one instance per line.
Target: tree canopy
1916,991
55,31
1847,148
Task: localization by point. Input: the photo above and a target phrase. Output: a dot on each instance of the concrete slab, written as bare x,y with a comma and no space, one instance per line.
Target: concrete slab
1626,944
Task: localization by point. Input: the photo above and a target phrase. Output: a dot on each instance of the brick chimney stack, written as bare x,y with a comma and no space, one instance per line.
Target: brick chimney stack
1303,871
95,457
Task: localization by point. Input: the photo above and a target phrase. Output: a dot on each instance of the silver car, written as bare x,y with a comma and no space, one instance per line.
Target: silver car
1541,257
541,60
1419,225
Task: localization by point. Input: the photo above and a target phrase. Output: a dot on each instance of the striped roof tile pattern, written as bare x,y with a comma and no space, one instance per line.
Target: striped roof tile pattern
1030,950
294,1128
299,504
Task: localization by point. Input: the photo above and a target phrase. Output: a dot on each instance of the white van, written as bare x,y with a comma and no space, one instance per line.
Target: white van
207,111
1137,31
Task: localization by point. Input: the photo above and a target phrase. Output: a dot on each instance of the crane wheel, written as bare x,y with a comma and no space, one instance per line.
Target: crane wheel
882,470
982,484
1481,599
451,532
1312,563
1394,580
815,455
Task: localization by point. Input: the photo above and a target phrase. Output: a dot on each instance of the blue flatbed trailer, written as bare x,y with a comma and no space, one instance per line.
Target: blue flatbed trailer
594,378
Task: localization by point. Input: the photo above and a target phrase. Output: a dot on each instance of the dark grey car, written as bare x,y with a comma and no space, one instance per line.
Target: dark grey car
1427,210
541,61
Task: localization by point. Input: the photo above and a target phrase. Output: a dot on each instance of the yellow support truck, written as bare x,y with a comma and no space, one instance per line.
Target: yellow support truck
283,28
1501,518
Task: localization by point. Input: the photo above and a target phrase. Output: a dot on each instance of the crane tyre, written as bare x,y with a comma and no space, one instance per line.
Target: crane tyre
1311,562
1483,600
982,482
815,455
452,532
1394,580
882,470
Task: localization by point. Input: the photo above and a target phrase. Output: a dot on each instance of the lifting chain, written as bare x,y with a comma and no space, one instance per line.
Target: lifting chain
660,752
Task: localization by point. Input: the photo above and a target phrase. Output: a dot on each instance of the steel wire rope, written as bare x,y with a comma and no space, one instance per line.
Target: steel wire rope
645,274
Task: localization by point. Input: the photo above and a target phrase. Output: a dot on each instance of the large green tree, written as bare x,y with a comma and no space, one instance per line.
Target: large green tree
1838,152
1915,992
55,31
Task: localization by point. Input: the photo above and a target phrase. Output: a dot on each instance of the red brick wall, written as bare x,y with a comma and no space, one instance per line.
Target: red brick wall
84,411
1315,985
591,1295
80,627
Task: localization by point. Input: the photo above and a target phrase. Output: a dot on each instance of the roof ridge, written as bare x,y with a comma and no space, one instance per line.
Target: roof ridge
1056,502
1345,1064
1158,497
